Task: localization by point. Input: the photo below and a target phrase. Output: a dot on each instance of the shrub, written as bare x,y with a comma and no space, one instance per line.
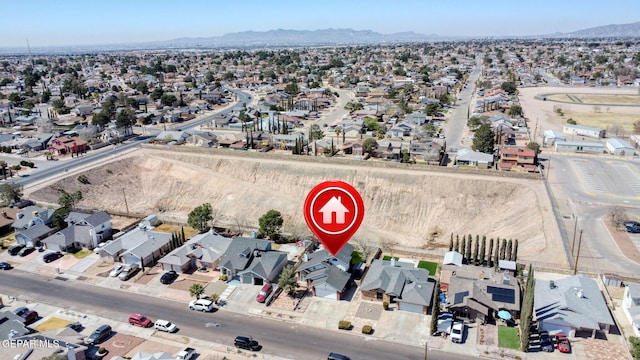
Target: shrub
83,179
27,163
102,350
223,277
344,325
367,329
385,305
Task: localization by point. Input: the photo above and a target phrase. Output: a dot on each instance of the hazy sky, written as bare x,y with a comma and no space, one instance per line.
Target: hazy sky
81,22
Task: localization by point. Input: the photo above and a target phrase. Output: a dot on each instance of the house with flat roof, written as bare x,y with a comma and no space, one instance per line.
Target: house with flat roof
573,305
579,147
619,147
580,130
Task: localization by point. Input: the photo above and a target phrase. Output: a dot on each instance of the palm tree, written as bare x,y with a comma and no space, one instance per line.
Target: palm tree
196,290
287,280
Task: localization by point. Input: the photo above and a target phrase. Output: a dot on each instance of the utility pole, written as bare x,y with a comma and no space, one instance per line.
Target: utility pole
575,267
575,227
125,201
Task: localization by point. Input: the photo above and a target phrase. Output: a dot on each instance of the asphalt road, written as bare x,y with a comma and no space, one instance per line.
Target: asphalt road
276,337
585,189
454,127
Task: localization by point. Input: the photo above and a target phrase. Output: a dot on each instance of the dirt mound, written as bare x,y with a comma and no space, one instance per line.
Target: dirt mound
402,206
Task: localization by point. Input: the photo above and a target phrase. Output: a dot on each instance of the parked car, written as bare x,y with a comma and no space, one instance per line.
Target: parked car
168,277
26,251
203,305
128,271
30,316
246,343
634,229
99,335
336,356
631,223
457,332
52,256
165,325
15,249
5,266
21,311
116,270
186,354
264,293
562,343
77,326
140,320
545,342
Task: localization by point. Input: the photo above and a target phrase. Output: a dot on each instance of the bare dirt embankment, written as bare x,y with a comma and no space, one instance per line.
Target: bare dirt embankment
402,206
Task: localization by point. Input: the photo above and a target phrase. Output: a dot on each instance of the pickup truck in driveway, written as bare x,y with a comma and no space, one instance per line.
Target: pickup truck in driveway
186,354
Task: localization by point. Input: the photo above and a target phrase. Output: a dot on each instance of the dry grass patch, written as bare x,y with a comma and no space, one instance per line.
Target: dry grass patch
168,228
51,324
597,99
602,120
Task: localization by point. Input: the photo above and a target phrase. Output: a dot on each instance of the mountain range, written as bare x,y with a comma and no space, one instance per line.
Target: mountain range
323,37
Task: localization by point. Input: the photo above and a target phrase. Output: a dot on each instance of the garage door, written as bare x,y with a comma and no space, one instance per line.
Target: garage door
414,308
326,293
555,328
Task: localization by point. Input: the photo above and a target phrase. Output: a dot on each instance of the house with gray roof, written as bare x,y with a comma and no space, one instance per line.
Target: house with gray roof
83,231
579,147
326,275
63,341
12,325
573,305
468,157
139,245
32,215
619,147
631,306
33,235
551,136
201,251
398,282
246,261
475,292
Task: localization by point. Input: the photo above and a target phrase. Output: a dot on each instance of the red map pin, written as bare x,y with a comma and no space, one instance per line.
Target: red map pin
334,211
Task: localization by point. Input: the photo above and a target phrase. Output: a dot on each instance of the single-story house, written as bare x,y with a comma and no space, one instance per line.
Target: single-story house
326,275
469,157
62,341
201,251
82,231
579,147
583,131
251,261
398,282
32,235
7,217
479,293
12,325
140,246
620,147
573,305
631,306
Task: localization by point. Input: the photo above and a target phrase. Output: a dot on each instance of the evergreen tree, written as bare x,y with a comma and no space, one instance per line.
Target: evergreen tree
457,243
435,306
469,245
503,249
451,242
497,254
463,249
509,250
526,314
490,253
476,259
483,249
514,256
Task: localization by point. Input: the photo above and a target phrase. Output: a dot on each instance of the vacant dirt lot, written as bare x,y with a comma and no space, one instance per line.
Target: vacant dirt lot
402,206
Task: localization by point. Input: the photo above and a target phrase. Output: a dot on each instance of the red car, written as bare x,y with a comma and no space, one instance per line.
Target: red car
140,320
264,293
563,343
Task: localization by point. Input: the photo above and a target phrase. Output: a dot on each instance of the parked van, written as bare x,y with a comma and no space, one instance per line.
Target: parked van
165,325
128,271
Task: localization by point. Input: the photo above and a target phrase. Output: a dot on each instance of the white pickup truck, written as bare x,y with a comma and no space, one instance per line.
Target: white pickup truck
186,354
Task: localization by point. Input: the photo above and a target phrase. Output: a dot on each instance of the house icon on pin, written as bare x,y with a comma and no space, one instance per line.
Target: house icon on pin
334,205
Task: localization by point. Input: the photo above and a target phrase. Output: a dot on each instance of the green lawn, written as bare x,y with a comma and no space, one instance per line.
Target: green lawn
508,337
81,254
429,266
387,258
356,257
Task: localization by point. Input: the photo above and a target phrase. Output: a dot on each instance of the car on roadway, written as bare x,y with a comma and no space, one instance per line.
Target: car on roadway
263,294
203,305
5,266
457,332
247,343
15,249
168,277
26,251
545,342
52,256
98,335
336,356
165,325
562,343
117,269
140,320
